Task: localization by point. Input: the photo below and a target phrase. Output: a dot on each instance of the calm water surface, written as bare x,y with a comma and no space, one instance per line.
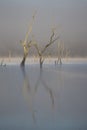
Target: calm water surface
54,98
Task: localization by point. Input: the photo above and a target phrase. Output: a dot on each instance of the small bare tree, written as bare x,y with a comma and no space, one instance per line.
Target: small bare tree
67,53
26,45
60,52
41,52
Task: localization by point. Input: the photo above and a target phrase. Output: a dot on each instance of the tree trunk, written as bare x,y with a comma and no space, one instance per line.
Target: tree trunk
23,61
41,62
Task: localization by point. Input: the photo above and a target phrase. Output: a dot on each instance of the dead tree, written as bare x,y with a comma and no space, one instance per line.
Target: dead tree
41,52
60,52
26,45
67,53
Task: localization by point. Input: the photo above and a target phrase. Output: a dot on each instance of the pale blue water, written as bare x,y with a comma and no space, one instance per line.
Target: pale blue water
54,98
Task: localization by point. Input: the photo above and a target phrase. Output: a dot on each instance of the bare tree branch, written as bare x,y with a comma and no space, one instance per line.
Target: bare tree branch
51,42
30,28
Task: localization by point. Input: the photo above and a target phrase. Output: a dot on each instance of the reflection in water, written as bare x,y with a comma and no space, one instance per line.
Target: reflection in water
47,88
26,100
29,95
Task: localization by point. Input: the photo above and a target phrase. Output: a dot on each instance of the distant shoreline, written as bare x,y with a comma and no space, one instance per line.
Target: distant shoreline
33,60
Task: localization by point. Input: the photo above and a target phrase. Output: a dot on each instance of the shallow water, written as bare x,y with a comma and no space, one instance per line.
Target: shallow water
51,98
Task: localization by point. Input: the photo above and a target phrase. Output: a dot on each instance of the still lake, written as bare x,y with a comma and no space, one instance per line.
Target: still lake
54,98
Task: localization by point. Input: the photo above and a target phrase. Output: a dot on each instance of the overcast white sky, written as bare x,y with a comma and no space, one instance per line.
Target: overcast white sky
69,16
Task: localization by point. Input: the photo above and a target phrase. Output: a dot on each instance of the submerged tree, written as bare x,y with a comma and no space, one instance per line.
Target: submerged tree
26,45
60,52
67,53
41,52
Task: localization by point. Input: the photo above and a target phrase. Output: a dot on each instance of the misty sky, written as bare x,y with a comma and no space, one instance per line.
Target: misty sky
69,16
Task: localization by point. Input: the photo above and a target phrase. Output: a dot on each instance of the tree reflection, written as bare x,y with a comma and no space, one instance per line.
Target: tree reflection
29,95
47,88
